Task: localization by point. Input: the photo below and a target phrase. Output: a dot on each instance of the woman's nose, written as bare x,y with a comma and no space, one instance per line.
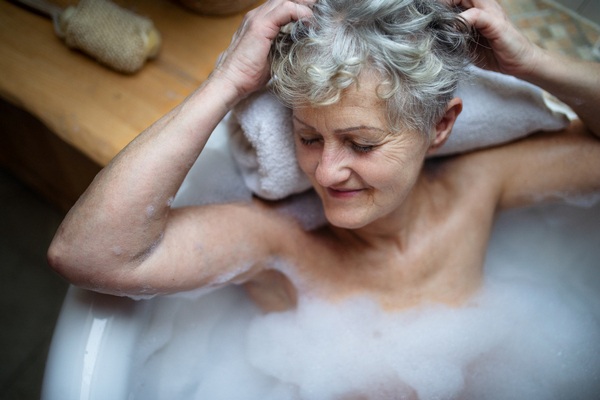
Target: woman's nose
332,169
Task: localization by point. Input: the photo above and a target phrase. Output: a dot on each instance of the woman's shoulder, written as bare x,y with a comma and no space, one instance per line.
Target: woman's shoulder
465,180
526,171
459,175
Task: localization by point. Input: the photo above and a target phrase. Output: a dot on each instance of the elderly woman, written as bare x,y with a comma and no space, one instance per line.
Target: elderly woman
371,86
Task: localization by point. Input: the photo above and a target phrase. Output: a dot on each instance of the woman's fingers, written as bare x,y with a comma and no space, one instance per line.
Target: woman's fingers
487,16
271,16
459,3
506,49
492,26
285,11
473,3
244,65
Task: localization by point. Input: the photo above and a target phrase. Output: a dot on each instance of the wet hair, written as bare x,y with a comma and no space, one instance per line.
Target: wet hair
418,49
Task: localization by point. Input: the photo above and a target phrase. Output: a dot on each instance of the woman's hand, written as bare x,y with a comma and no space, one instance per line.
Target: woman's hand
504,48
575,82
244,66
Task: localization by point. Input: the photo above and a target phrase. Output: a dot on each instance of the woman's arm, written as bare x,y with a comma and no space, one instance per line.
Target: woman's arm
125,213
575,82
550,166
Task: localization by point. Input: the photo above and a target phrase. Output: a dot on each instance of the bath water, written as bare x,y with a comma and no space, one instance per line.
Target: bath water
531,332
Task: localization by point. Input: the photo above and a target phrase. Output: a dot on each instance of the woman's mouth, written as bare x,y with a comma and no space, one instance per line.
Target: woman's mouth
343,193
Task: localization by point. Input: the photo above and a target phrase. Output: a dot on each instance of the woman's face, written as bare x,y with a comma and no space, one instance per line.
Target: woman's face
361,171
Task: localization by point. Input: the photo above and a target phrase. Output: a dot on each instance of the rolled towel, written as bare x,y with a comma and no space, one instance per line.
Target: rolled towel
497,109
262,143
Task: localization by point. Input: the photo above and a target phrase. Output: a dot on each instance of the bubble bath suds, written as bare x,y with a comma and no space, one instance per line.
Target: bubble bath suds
532,332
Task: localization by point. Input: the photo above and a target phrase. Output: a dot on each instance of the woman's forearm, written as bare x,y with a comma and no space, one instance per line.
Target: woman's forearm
575,82
124,211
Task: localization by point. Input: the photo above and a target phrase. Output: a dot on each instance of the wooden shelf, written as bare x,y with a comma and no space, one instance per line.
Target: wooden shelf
86,105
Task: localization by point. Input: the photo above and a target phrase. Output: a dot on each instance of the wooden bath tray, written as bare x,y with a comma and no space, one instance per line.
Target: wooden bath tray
94,111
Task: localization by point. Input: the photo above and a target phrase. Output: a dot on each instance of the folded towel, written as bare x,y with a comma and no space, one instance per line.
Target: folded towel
262,143
497,109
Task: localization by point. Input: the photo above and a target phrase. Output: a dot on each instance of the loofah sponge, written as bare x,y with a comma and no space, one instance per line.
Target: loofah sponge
115,37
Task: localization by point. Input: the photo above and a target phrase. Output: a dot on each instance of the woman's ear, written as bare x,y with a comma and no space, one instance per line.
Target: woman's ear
441,131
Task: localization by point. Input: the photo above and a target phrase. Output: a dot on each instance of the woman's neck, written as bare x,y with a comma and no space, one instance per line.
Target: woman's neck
394,229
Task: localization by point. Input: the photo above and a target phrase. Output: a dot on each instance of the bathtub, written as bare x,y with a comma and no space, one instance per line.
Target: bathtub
95,350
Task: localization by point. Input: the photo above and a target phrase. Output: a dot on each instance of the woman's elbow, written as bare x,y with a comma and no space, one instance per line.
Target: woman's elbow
62,260
55,258
79,269
85,267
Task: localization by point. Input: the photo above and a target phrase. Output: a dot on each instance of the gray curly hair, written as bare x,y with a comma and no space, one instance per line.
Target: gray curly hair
418,48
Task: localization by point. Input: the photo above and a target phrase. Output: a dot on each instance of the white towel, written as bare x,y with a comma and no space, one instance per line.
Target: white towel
497,109
262,143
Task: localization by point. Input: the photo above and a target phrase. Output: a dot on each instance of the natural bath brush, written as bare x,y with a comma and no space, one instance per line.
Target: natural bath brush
115,37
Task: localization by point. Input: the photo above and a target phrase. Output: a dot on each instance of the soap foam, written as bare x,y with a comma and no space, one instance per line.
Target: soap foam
436,352
584,200
531,332
150,212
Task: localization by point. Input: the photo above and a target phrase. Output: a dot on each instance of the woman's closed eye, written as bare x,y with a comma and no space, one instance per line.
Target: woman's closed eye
356,147
361,149
308,141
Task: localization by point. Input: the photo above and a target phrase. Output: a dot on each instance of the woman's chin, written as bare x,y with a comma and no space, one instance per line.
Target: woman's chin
346,220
